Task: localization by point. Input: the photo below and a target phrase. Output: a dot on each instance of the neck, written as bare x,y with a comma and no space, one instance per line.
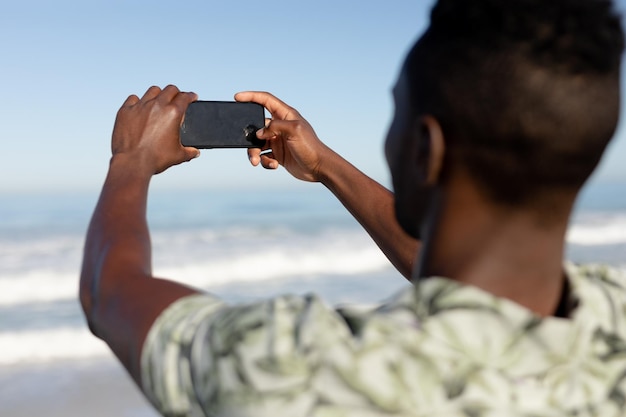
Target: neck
511,254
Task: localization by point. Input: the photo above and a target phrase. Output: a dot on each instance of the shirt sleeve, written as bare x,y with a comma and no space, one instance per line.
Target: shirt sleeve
203,357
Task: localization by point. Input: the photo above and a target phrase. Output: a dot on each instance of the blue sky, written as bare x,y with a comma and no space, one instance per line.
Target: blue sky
67,66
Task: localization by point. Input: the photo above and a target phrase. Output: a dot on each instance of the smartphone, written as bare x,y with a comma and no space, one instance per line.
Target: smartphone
222,124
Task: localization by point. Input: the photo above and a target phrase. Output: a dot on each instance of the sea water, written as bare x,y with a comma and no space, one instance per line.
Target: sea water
241,245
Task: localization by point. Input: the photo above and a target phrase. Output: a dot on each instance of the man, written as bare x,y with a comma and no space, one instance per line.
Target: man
503,109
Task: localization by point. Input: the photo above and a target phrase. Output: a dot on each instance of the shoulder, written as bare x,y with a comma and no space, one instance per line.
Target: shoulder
597,271
596,278
207,320
205,346
600,291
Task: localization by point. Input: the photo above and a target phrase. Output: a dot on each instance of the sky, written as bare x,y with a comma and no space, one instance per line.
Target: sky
67,67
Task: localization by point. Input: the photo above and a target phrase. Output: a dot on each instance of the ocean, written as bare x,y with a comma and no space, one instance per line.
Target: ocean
240,245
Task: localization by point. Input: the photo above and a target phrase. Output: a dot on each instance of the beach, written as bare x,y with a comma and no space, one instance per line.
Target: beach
92,387
242,246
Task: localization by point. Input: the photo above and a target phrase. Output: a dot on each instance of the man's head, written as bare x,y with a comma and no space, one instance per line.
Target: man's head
525,94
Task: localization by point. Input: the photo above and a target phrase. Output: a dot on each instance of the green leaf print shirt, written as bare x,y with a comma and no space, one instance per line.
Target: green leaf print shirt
436,349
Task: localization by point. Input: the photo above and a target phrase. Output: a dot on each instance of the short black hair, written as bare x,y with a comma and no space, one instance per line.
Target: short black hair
526,91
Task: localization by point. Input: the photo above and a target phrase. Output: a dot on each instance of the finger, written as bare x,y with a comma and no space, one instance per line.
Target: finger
268,161
278,108
267,121
131,101
191,97
191,153
254,156
151,93
275,128
169,93
182,101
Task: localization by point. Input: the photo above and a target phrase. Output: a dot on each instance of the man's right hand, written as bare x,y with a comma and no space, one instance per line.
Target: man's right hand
146,130
290,139
292,143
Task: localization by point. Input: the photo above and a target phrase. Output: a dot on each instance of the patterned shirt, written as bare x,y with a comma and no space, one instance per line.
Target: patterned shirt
438,348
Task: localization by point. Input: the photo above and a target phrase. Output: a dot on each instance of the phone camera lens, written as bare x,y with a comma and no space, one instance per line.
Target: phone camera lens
250,131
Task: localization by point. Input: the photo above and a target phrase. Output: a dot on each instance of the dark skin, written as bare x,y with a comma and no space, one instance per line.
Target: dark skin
507,252
295,146
119,294
510,252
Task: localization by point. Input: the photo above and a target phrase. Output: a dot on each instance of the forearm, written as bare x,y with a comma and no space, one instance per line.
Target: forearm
372,205
295,146
119,296
117,238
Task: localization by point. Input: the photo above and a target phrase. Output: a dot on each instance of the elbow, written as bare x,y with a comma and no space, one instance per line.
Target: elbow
105,279
87,295
92,274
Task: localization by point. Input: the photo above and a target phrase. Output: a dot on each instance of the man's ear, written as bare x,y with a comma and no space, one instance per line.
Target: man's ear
430,150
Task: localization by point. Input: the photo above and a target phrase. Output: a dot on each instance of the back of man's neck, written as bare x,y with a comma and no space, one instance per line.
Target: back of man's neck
509,255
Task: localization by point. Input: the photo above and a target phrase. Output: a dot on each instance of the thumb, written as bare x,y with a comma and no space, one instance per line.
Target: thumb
275,128
191,153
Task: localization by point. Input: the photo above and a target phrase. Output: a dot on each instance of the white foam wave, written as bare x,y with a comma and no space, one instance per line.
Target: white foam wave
277,263
598,229
50,345
38,286
21,254
204,266
47,269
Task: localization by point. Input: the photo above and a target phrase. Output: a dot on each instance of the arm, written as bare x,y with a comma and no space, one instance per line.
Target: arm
294,145
119,296
372,205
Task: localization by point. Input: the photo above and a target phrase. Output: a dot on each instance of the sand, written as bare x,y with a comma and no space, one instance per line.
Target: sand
93,388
